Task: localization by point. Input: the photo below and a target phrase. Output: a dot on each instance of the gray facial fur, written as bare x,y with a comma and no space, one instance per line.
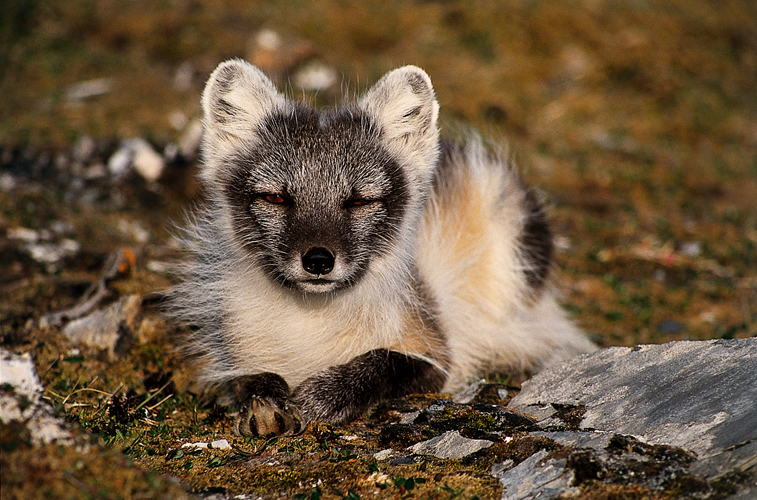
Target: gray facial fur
339,190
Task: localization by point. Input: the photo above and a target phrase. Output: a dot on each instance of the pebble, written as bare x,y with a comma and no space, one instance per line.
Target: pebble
88,89
111,329
315,76
138,154
146,161
220,444
532,478
691,248
450,445
119,162
23,234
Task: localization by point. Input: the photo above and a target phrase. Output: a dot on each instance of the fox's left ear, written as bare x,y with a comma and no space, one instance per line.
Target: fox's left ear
404,105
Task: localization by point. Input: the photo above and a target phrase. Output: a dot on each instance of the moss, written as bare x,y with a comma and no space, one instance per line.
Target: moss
636,121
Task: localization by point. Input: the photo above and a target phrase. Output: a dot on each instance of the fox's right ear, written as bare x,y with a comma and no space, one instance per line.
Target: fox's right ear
237,97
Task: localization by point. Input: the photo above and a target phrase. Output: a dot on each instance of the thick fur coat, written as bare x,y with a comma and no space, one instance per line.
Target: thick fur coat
350,255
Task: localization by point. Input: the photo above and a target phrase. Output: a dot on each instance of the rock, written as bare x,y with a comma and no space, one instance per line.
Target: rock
384,455
112,328
219,444
138,154
671,326
697,396
177,119
536,478
146,161
50,253
467,394
119,162
23,234
88,89
449,445
7,182
594,440
315,77
21,400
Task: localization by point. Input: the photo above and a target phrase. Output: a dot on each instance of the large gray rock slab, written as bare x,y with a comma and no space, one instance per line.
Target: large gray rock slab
700,396
697,396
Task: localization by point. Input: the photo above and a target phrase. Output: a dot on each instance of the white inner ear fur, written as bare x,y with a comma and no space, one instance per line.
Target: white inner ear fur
235,100
404,105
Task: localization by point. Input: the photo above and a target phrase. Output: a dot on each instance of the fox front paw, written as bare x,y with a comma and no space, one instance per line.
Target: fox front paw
261,417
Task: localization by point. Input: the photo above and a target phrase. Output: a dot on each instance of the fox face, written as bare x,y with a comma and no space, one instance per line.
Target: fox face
316,197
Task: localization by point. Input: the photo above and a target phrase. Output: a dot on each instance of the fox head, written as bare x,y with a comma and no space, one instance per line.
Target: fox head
317,198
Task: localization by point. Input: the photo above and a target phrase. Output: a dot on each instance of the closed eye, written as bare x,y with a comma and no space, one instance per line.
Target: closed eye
359,202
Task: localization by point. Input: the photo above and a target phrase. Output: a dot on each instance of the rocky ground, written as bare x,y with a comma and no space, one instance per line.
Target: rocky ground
639,122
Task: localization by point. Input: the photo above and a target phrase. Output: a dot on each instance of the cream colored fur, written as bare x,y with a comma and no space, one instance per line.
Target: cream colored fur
461,236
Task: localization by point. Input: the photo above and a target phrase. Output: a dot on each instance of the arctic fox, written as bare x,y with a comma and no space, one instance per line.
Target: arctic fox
349,255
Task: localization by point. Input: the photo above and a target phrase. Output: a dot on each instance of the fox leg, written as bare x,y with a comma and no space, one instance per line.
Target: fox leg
343,392
265,408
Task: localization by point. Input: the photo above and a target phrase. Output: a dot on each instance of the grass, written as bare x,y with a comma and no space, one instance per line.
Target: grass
638,120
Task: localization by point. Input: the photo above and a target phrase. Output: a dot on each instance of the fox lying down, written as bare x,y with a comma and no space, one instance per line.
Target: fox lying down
349,255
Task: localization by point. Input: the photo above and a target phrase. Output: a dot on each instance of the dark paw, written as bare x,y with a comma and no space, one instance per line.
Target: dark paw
264,418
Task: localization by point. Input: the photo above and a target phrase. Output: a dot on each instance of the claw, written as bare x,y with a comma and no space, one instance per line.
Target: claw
265,418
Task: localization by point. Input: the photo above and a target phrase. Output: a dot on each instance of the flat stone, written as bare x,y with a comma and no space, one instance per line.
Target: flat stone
699,396
449,445
535,478
111,328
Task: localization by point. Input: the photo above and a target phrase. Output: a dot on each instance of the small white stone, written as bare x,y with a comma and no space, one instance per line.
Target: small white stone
88,89
120,161
691,248
23,234
315,77
19,372
147,162
156,266
177,119
220,444
7,182
268,39
194,445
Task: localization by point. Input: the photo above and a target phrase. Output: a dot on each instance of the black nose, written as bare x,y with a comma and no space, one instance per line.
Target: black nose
318,261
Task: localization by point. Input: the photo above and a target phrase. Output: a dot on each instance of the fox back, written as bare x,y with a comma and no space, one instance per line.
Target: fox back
344,246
